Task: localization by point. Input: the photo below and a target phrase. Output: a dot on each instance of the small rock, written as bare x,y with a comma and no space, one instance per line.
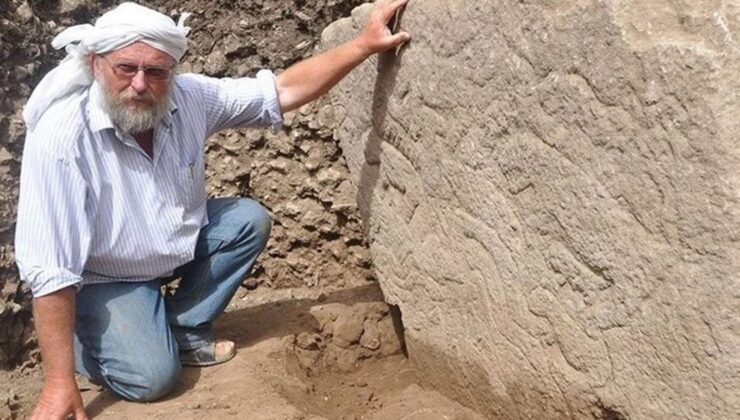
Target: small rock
370,344
301,45
24,12
329,176
232,44
251,283
310,187
22,90
66,6
291,209
312,163
20,73
288,119
305,147
308,341
305,109
216,63
348,329
280,165
14,307
5,156
326,116
303,16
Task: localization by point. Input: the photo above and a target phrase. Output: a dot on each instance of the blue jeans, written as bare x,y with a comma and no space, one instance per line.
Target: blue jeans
128,335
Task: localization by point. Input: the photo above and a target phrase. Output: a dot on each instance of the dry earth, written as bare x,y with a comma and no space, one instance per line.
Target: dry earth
291,364
314,338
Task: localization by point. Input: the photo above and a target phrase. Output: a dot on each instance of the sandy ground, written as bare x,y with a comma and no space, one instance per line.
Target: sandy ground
264,380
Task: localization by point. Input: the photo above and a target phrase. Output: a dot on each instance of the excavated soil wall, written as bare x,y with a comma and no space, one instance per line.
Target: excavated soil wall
551,192
298,174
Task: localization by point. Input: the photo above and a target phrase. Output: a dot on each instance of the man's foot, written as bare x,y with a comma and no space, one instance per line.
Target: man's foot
219,351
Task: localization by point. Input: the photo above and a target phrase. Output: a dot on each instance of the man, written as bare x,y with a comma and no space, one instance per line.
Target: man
113,200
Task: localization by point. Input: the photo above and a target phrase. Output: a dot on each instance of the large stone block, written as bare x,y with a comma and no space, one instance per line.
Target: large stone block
551,189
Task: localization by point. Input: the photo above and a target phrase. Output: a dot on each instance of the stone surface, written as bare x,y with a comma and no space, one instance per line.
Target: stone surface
551,190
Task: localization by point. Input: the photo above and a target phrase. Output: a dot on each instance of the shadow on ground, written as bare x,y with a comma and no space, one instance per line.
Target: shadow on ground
250,326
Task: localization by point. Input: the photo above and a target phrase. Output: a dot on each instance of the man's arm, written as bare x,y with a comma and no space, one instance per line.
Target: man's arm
52,239
311,78
54,317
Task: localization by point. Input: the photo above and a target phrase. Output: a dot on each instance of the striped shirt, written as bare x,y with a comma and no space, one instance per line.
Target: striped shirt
94,207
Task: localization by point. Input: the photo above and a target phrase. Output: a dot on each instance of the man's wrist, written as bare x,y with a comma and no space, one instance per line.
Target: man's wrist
59,378
362,48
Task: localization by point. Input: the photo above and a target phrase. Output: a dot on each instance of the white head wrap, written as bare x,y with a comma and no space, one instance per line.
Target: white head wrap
118,28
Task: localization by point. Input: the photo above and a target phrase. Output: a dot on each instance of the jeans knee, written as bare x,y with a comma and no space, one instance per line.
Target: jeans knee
260,222
263,225
147,384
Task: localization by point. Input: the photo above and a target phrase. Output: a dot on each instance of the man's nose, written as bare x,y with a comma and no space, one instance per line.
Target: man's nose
138,82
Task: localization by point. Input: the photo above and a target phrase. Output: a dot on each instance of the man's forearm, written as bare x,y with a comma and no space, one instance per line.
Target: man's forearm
54,317
307,80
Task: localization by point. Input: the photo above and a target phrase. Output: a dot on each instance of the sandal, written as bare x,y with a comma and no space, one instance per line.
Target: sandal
205,356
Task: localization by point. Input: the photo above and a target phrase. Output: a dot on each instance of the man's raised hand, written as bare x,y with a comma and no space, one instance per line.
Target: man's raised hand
377,36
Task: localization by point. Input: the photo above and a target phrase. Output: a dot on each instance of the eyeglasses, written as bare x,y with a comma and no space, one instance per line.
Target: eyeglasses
128,70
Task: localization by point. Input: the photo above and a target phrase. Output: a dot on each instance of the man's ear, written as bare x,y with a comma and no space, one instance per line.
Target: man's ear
94,67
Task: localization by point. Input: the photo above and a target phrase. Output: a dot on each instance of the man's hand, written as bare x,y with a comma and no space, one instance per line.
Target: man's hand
54,316
58,400
311,78
377,36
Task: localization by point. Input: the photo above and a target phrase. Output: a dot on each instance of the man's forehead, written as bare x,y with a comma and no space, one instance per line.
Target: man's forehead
141,52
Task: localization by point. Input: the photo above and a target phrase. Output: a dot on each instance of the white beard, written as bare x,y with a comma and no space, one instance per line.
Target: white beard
132,120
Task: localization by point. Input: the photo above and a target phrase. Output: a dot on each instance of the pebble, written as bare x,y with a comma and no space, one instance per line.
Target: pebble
328,176
216,63
281,165
288,119
24,12
301,45
5,156
348,329
20,73
251,283
303,16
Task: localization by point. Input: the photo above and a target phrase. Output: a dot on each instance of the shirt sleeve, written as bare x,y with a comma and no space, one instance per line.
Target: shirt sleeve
52,236
242,102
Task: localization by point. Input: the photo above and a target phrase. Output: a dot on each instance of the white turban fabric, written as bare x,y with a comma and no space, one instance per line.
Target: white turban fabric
118,28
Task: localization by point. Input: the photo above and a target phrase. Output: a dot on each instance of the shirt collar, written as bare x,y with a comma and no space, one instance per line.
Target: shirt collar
100,120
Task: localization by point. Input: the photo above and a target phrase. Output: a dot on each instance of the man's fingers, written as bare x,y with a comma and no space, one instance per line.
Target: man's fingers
388,8
79,408
80,414
400,38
